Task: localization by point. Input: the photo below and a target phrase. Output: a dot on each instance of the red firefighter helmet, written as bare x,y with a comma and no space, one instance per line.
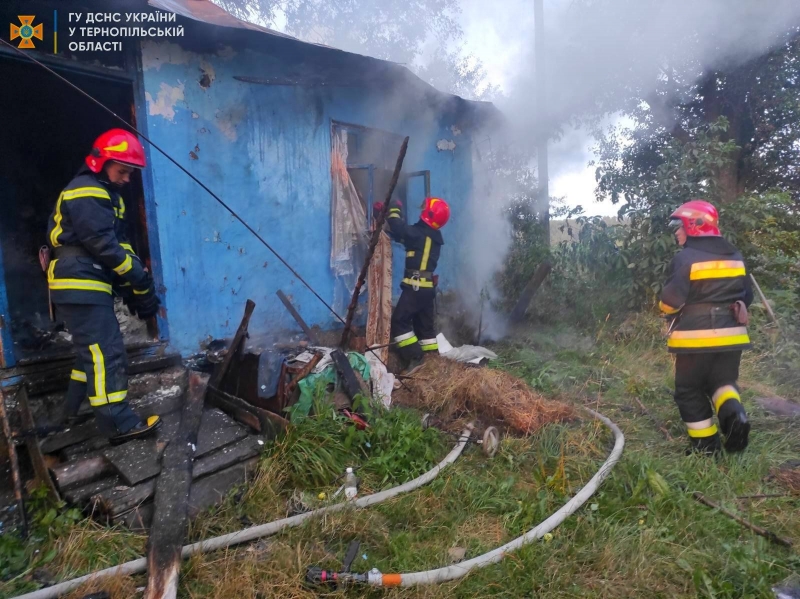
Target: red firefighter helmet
699,218
117,145
435,213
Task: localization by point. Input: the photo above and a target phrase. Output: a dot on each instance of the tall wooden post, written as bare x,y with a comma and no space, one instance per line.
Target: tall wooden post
543,200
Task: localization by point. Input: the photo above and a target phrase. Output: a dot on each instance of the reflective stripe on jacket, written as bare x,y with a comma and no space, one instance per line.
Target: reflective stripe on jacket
423,246
89,216
705,279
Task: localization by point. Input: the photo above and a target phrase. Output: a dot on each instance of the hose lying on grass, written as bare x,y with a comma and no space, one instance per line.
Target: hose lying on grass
376,578
249,534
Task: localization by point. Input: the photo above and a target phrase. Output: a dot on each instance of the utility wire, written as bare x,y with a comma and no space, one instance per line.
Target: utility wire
199,182
191,176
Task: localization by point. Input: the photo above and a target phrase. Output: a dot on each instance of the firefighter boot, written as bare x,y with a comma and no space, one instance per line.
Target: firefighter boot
732,418
143,429
413,366
709,446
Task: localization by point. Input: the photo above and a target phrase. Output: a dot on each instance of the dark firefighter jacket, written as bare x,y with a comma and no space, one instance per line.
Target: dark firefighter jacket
423,245
92,256
705,279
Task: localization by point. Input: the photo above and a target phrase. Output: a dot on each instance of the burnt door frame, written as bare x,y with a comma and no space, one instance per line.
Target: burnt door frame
133,77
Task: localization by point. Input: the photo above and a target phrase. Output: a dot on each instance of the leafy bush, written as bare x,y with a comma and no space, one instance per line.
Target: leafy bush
393,449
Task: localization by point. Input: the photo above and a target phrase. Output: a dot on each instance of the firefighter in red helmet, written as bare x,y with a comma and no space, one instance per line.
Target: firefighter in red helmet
413,319
706,298
92,262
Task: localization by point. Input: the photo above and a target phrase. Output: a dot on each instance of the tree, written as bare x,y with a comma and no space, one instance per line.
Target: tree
396,30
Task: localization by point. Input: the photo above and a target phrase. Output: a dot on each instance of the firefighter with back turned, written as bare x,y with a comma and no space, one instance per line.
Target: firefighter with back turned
706,298
414,317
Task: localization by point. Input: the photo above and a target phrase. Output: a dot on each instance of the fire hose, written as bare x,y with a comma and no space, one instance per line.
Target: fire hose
255,532
374,577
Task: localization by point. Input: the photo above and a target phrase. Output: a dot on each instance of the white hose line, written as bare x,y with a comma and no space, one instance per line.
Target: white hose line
459,570
249,534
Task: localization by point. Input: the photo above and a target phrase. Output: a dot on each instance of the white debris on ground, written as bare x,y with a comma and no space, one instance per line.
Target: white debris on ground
472,354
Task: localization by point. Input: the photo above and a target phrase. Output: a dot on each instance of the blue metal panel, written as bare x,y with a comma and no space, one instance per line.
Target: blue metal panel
151,212
5,320
266,150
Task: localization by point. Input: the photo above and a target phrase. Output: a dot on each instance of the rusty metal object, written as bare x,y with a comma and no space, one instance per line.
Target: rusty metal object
238,339
301,374
296,315
33,446
13,458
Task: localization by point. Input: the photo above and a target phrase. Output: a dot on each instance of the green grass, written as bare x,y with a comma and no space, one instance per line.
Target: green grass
641,535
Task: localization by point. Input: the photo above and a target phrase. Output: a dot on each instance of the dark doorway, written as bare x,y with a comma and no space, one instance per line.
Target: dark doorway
48,128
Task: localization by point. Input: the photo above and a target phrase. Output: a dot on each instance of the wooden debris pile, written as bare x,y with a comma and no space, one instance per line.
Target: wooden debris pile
117,483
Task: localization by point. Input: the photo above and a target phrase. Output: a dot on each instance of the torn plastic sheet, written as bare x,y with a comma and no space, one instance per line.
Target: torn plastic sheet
348,226
788,589
311,384
382,380
473,354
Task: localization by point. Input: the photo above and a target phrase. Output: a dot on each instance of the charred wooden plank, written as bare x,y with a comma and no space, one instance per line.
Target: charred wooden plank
32,445
81,495
14,463
217,430
137,519
140,459
219,460
265,422
238,340
171,514
113,502
296,315
72,436
205,493
81,472
212,489
352,384
85,449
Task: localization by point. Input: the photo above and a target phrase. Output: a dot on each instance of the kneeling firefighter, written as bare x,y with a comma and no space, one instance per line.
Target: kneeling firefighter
706,298
91,262
413,319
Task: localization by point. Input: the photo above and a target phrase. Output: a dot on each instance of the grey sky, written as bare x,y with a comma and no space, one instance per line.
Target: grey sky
502,39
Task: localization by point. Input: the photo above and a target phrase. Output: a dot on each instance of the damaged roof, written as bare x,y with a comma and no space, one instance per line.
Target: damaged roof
324,66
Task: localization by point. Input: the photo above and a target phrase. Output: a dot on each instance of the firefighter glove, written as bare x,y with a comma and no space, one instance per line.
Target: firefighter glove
144,301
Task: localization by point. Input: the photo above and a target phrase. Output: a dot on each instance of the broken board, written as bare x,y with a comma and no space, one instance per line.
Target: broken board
140,459
137,461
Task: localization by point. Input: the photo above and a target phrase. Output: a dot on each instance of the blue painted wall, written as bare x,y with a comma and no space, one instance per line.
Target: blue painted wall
266,151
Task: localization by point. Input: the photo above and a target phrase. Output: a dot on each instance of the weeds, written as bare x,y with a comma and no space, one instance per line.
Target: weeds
641,535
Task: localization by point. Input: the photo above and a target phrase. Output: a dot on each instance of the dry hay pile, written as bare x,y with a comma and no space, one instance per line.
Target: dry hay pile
787,477
456,392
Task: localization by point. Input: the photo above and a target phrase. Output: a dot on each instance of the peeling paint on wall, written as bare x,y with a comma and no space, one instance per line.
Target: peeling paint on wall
228,119
166,99
208,74
456,131
445,145
155,54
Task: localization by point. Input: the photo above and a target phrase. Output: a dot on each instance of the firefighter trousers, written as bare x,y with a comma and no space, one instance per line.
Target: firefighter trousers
414,323
705,383
100,372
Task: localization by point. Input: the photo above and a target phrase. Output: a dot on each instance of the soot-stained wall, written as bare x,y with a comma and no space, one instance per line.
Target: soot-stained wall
266,150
